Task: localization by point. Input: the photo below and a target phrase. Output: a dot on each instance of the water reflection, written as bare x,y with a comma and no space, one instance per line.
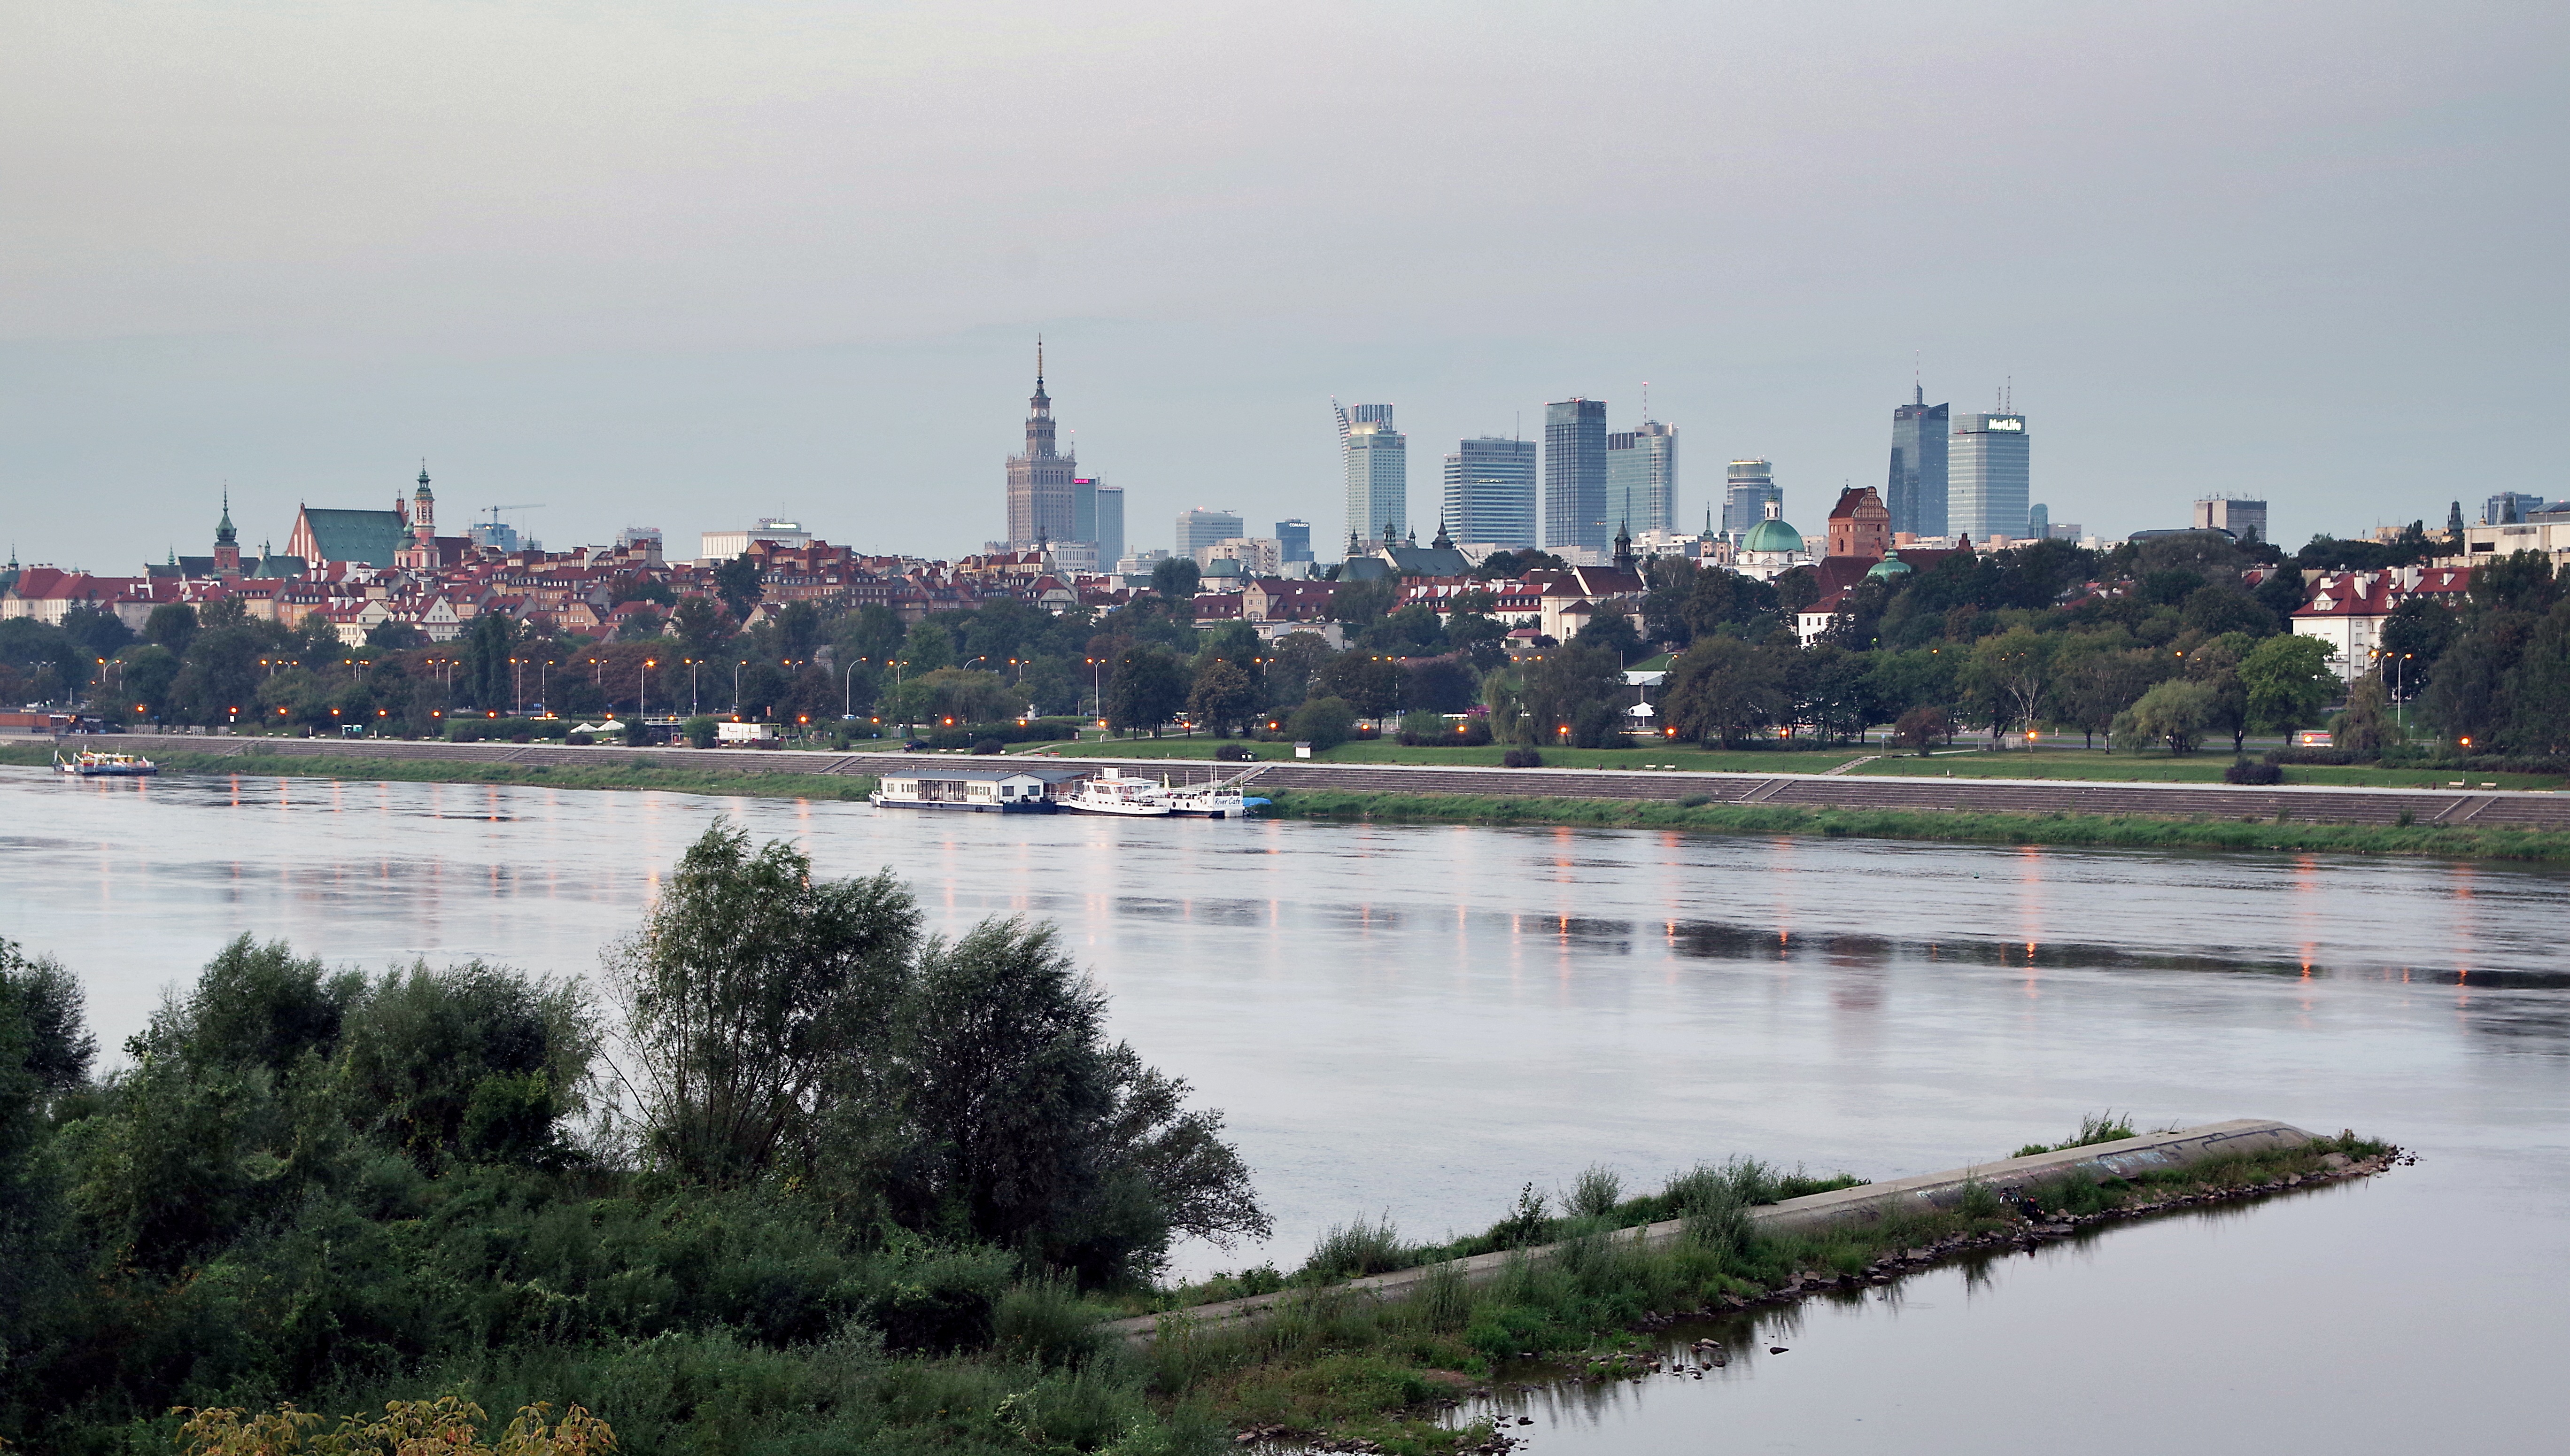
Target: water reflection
1418,1019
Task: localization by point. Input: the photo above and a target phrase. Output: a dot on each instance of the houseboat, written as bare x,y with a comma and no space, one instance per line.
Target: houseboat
1011,790
92,764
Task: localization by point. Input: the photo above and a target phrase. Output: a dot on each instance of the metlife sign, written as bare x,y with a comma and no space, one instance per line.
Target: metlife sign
2000,423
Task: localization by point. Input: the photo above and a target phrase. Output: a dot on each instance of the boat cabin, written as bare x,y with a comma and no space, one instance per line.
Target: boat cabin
1021,790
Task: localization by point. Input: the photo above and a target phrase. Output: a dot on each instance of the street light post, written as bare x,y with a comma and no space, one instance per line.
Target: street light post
643,688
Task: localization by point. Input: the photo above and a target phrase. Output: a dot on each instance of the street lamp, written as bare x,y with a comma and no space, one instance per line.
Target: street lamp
643,687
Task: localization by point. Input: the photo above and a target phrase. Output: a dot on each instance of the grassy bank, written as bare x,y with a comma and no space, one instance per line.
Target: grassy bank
645,770
1382,750
2160,767
2118,831
1352,1369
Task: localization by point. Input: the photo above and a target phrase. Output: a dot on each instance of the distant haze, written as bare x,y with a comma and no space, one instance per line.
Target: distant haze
685,264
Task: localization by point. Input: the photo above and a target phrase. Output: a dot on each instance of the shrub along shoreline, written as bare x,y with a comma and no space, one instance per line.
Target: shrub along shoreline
2107,831
2112,832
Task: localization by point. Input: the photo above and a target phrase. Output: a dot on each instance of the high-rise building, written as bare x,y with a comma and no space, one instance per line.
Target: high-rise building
1574,475
1490,491
1200,528
1040,489
2038,521
1987,479
2509,508
1916,493
1377,457
1643,478
1294,539
1109,505
2242,518
1747,489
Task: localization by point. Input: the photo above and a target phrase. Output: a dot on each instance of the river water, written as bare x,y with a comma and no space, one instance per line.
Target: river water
1415,1021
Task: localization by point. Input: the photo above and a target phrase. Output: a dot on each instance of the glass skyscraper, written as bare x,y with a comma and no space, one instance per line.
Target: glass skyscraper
1643,478
1200,528
1746,489
1574,475
1490,492
1294,540
1915,494
1110,506
1988,484
1377,464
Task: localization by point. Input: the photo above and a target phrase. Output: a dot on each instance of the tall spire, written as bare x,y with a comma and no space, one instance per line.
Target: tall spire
1041,402
223,532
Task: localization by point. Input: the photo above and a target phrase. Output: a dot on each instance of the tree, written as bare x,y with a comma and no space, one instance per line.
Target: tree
2540,723
1924,728
1324,723
1611,628
2287,680
927,648
2364,728
642,626
967,695
172,624
740,584
1175,579
752,990
873,633
2013,672
1361,604
702,629
1145,688
2173,712
474,1060
1722,688
1368,682
1575,694
392,636
1440,685
1222,699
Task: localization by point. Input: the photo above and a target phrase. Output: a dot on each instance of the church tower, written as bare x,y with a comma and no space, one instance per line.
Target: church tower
226,543
423,510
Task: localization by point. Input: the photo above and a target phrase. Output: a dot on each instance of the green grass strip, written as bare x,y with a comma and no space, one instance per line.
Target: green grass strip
2118,831
639,773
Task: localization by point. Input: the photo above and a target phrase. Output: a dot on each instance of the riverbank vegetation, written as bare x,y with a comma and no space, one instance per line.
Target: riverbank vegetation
667,771
2118,831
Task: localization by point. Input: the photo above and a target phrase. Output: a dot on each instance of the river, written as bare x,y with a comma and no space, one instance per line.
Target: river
1414,1021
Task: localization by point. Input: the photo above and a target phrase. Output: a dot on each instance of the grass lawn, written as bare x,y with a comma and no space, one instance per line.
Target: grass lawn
1385,752
2203,766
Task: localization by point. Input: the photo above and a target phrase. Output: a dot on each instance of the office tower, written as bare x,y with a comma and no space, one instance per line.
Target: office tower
1490,492
1110,522
1200,528
2038,521
2243,519
2509,508
1986,476
1083,508
1377,474
1916,493
1747,488
1040,489
1574,475
1295,539
1643,478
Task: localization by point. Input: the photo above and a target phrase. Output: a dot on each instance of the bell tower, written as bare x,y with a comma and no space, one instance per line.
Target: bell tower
226,542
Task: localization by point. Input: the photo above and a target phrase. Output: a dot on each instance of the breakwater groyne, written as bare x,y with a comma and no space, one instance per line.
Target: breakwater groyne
1867,1203
2423,808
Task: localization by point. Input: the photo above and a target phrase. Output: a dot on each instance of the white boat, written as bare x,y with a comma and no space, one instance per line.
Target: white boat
1209,801
1112,794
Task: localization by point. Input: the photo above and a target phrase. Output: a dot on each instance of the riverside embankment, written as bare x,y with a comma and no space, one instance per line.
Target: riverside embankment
2461,822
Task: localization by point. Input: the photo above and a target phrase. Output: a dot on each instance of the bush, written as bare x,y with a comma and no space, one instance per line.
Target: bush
2244,772
1324,723
990,745
1522,758
504,730
2338,756
1234,753
699,731
967,736
1422,727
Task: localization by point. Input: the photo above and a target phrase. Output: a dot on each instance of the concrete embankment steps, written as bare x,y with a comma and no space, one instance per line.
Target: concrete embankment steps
1944,1192
2481,809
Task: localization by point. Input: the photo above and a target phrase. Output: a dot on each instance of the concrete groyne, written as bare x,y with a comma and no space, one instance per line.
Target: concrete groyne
1870,1202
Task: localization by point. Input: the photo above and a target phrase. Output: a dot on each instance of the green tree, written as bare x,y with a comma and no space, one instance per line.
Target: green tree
473,1061
1575,694
1145,688
1324,723
1722,688
2540,723
2364,726
927,648
172,624
2013,673
1370,683
1175,579
1611,628
2175,712
740,584
2287,680
1359,605
753,996
1222,699
702,629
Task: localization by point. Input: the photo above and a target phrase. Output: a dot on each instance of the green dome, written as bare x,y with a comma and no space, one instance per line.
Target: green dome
1890,566
1773,536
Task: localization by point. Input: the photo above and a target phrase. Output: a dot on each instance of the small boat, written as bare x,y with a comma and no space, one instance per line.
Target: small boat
1209,801
92,763
1112,794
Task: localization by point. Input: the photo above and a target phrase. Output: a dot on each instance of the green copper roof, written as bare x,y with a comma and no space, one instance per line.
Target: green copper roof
1773,536
368,536
1890,566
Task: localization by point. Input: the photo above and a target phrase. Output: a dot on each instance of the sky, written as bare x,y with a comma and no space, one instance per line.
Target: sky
686,264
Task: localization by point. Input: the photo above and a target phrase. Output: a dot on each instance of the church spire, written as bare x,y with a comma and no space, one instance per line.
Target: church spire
1041,404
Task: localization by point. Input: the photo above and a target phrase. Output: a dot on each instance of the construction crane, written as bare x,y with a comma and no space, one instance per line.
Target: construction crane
493,526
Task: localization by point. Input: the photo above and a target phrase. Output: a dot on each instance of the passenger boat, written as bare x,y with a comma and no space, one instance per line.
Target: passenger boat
1112,794
91,763
1209,801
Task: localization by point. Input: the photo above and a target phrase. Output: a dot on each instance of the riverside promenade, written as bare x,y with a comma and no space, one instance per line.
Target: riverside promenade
2446,808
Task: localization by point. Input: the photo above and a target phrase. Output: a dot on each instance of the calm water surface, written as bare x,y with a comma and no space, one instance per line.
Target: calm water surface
1418,1020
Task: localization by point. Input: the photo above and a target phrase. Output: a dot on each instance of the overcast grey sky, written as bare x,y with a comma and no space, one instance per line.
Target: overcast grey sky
685,263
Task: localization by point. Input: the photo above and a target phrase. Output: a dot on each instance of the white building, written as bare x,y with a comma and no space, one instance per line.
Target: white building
717,547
